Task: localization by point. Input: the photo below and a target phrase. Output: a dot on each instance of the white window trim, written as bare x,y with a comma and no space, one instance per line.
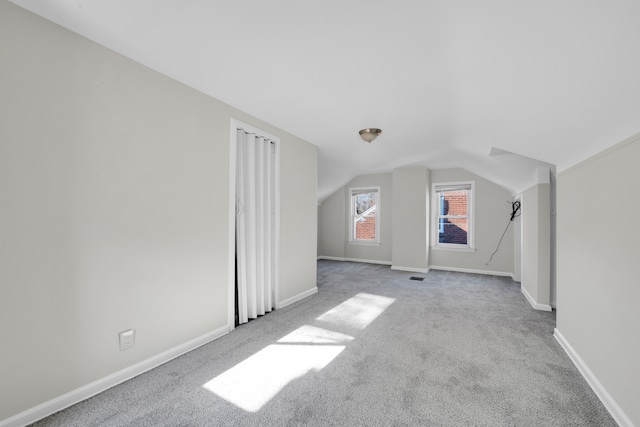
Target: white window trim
351,239
435,244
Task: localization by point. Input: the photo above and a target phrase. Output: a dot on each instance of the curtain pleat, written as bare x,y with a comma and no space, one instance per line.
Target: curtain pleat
260,225
255,224
241,229
270,229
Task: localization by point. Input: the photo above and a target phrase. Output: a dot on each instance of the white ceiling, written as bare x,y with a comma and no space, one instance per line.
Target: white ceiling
446,80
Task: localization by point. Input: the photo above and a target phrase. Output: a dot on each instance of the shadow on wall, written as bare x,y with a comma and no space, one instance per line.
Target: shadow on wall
451,233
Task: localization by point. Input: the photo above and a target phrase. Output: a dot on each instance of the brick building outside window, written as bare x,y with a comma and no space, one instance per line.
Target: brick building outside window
453,215
364,214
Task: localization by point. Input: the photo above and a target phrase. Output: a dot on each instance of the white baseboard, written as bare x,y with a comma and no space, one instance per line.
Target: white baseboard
410,269
534,304
470,270
297,298
366,261
369,261
616,412
61,402
420,270
331,258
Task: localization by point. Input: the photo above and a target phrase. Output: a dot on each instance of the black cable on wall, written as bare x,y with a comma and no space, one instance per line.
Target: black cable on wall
515,212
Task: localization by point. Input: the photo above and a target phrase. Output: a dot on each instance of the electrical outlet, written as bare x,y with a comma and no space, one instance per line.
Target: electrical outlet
127,339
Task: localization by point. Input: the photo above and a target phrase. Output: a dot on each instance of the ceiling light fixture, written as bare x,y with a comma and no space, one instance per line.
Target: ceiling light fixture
369,134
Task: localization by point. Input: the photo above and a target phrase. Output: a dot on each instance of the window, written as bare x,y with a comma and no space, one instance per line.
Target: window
453,208
364,215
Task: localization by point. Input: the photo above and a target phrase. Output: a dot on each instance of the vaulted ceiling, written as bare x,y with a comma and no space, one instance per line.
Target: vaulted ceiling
498,87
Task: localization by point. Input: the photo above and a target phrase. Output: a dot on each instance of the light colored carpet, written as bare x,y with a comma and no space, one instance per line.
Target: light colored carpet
372,348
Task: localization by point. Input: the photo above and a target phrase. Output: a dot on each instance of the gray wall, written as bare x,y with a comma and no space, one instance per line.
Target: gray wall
536,245
298,216
333,222
382,252
517,244
492,211
597,278
114,183
332,232
410,250
406,249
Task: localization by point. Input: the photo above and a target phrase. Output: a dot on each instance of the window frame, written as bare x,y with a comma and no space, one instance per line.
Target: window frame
351,216
437,188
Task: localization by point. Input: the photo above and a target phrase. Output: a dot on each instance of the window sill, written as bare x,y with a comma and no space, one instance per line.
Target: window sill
363,243
452,248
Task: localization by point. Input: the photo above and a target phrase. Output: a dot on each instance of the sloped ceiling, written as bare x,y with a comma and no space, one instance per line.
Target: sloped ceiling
498,87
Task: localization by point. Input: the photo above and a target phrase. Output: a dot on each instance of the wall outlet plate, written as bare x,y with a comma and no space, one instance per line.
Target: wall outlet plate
127,339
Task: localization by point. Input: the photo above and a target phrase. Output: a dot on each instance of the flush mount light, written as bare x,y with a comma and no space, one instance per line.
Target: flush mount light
369,134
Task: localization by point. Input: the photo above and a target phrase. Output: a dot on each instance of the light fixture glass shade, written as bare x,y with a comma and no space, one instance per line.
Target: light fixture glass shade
369,134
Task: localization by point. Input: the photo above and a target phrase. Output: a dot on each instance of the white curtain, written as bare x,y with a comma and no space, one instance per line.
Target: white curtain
255,225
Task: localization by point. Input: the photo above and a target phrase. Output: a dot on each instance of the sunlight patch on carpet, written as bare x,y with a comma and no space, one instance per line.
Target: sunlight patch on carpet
314,335
357,312
253,382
